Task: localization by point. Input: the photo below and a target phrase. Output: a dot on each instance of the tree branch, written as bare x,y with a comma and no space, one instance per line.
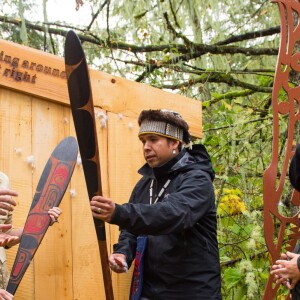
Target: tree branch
186,41
96,15
220,77
250,35
187,53
237,124
236,260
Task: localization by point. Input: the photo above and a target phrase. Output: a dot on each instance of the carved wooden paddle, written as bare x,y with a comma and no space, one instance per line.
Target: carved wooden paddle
49,193
82,106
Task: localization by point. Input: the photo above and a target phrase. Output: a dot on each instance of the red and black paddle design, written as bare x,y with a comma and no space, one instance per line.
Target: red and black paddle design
49,193
81,100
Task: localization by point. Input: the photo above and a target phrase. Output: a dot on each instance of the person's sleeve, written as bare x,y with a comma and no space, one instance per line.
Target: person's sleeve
127,241
126,245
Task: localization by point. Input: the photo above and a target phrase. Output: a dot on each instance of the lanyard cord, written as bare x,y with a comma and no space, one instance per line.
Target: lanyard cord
160,193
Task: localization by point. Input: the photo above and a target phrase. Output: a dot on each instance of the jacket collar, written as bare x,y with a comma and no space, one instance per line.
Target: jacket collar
163,170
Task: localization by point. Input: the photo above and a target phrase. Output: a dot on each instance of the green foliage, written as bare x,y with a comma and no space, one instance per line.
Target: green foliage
243,256
232,277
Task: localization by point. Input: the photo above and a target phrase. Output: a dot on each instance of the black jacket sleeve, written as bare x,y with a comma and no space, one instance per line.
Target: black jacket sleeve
189,199
126,245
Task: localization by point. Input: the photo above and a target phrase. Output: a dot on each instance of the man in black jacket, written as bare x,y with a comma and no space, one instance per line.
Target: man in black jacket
169,225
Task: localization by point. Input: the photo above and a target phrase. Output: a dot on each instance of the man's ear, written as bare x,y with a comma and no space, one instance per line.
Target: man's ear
176,143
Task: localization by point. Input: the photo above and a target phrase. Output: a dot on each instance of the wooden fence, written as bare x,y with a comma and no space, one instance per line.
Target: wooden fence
35,116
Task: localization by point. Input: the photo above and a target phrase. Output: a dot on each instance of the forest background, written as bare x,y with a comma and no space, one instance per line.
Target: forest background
222,53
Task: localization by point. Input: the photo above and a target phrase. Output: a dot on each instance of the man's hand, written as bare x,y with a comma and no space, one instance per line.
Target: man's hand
286,271
6,238
54,214
6,201
4,295
117,262
102,208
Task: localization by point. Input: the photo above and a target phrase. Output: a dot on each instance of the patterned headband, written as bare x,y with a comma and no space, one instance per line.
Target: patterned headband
161,128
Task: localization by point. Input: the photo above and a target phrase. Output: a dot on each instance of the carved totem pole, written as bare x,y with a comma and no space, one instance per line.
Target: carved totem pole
285,104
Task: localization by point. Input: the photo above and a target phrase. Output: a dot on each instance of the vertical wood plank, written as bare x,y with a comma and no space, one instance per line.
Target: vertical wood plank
87,265
53,261
124,159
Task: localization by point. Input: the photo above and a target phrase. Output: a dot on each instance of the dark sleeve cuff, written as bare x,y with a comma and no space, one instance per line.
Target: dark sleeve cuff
114,217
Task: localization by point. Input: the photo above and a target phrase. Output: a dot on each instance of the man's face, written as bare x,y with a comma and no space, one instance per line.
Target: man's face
158,149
